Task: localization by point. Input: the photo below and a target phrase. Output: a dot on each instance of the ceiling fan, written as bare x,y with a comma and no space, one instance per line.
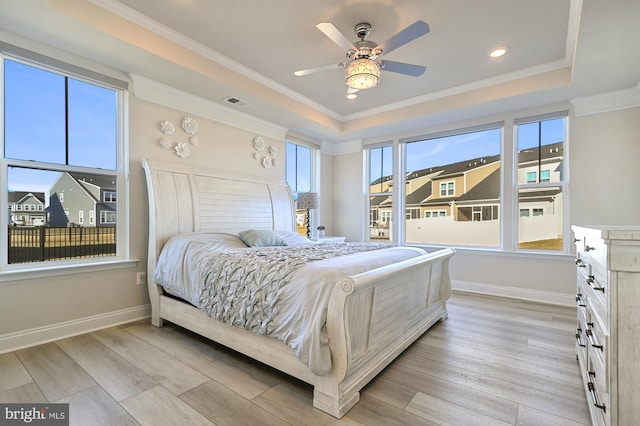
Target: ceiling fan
364,58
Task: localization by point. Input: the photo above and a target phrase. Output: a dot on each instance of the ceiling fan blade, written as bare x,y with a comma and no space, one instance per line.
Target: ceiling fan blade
403,68
336,36
308,71
412,32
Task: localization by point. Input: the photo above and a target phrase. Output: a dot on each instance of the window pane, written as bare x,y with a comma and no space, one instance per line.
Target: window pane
299,167
92,130
540,146
542,228
57,228
34,114
380,218
381,169
455,182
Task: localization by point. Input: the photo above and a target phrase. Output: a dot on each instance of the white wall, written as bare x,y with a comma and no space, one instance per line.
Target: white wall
604,150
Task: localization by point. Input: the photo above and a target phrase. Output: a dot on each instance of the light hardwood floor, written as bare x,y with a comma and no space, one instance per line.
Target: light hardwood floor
493,362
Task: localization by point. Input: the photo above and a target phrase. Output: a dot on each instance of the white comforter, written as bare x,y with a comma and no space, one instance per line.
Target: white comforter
302,304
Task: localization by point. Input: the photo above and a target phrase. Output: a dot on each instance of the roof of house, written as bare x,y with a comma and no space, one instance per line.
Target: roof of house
102,181
17,196
487,189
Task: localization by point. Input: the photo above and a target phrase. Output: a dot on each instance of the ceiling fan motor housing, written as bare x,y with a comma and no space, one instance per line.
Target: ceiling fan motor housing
362,30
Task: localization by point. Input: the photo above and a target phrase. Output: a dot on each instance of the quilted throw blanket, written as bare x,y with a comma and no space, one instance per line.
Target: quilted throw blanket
242,288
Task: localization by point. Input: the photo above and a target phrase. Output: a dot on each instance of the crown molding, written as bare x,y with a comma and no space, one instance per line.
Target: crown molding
607,102
152,91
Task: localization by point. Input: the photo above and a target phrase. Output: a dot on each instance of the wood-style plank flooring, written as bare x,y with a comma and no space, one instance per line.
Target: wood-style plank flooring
493,362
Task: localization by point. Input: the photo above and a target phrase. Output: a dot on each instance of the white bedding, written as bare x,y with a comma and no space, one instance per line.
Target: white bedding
302,303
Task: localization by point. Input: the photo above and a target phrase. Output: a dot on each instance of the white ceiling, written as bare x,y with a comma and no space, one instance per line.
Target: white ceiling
249,49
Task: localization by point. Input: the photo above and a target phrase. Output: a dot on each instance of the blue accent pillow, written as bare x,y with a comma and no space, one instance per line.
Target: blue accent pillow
261,238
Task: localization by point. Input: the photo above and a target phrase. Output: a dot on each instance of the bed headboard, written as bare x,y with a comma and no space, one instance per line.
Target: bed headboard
184,198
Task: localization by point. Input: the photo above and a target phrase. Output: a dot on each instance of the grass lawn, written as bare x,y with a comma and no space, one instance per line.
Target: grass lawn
552,244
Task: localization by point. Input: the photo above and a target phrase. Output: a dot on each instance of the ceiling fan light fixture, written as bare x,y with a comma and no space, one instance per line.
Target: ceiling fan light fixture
362,74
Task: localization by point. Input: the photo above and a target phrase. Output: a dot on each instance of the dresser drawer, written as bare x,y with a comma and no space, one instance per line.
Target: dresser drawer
594,295
597,342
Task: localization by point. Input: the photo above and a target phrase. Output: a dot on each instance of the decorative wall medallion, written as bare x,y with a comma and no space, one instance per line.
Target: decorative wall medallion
273,151
267,162
193,140
165,142
167,127
258,143
190,125
183,150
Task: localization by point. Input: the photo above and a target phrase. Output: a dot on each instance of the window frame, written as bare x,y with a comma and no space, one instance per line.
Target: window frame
508,211
314,179
121,259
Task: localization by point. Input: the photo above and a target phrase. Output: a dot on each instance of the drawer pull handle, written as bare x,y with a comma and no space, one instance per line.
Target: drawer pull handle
579,301
580,263
592,391
589,248
575,240
592,342
591,281
579,338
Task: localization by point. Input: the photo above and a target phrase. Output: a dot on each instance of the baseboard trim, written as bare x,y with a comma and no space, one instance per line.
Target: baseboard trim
37,336
515,293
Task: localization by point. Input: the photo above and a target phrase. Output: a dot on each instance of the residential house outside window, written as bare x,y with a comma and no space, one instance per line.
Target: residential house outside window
300,174
63,132
454,179
541,147
380,169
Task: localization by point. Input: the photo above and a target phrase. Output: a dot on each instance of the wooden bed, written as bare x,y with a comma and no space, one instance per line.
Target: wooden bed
371,318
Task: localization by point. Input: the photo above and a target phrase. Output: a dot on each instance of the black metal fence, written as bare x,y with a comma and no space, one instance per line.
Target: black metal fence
37,244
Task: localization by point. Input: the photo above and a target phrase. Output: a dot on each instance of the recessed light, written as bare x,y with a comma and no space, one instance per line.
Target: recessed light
351,96
498,52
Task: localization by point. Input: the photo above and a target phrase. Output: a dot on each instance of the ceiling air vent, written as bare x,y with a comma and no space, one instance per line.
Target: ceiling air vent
237,102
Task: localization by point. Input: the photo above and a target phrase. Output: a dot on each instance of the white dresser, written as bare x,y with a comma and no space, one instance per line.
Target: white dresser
608,331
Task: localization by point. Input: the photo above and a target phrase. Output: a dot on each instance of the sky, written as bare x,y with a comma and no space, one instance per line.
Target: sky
35,124
452,149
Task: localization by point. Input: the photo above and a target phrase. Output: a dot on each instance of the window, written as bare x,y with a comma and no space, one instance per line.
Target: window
109,197
300,177
540,145
454,177
532,177
62,126
457,182
380,194
107,217
447,189
545,176
92,217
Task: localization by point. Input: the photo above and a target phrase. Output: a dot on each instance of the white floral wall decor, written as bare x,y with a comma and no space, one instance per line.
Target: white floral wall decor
267,161
182,149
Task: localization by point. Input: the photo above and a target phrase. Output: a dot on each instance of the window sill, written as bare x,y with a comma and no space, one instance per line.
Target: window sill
46,271
561,256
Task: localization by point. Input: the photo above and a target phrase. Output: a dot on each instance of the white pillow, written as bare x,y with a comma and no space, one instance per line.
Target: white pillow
294,239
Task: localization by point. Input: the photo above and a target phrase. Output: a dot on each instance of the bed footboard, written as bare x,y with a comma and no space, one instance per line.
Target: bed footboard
372,317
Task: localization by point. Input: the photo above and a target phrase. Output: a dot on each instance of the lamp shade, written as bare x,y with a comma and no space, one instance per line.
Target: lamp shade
362,74
308,200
